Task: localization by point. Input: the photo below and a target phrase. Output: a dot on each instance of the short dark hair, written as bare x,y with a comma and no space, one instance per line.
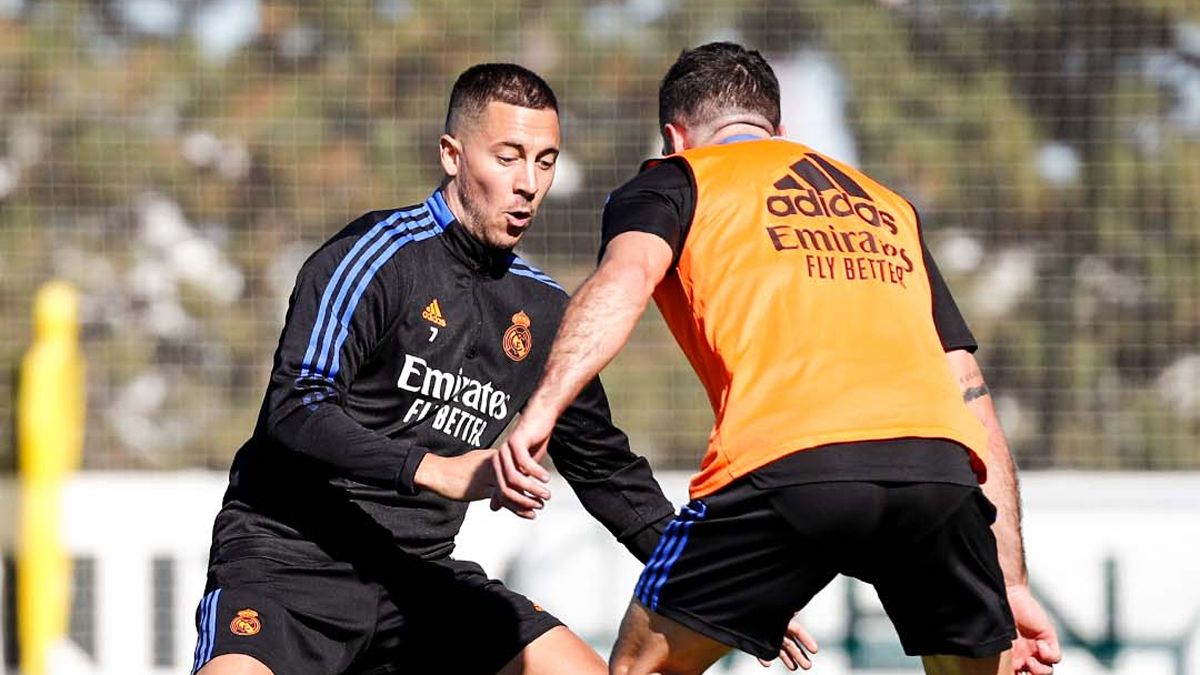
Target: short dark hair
509,83
715,80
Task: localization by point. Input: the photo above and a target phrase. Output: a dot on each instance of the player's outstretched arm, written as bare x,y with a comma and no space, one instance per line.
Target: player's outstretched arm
1036,648
596,325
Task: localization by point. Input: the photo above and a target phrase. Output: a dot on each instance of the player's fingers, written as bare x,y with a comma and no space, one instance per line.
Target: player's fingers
513,473
528,464
527,514
511,498
516,501
795,653
800,634
1035,667
1034,663
1025,659
782,658
1048,651
1019,655
513,478
530,486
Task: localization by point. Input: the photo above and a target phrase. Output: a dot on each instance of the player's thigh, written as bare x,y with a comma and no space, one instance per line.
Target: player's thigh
943,587
652,643
556,651
235,664
1000,664
472,625
729,567
287,615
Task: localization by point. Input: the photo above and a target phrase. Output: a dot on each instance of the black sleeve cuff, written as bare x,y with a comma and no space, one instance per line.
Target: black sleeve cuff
630,504
643,542
408,472
966,345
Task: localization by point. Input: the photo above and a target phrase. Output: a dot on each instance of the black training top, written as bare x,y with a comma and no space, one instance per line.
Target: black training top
404,336
661,200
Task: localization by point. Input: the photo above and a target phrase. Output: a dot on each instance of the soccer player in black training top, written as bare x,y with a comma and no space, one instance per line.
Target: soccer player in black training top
413,337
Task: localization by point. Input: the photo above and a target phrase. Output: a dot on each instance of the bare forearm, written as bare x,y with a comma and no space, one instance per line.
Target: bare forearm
596,325
1002,487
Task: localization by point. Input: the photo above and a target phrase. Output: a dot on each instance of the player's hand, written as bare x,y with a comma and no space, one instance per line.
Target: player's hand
520,480
1036,649
463,478
798,646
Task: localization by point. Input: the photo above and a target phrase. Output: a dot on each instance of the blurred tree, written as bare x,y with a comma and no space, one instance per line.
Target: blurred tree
1051,147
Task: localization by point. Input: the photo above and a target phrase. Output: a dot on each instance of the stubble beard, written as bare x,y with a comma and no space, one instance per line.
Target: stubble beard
474,212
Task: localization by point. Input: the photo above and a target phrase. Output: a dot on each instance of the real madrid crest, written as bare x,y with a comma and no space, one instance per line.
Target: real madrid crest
246,623
517,339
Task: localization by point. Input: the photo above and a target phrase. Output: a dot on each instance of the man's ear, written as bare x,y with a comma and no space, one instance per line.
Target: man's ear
450,154
674,139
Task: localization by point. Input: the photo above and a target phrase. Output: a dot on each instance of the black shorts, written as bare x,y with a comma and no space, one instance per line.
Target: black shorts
297,615
736,565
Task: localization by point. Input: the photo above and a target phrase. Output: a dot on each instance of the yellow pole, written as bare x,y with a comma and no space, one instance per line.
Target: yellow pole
50,420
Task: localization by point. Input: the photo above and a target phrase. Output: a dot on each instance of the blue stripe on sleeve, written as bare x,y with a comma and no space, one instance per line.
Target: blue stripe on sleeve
346,261
521,268
362,285
393,231
369,252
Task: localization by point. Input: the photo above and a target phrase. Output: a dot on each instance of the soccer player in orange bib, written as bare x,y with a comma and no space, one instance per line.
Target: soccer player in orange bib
853,426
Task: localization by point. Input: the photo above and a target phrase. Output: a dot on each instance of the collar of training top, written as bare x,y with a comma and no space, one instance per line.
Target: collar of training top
479,257
739,138
440,210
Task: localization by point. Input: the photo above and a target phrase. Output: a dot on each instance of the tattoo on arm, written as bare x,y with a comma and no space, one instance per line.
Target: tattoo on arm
972,393
973,386
969,377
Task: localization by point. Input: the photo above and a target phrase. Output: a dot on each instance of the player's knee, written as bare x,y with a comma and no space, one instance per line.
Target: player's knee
622,661
627,661
618,667
651,644
652,662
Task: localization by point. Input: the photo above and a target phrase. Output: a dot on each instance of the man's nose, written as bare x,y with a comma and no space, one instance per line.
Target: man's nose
525,182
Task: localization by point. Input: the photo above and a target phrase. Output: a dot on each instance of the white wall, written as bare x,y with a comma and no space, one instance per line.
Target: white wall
1149,524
